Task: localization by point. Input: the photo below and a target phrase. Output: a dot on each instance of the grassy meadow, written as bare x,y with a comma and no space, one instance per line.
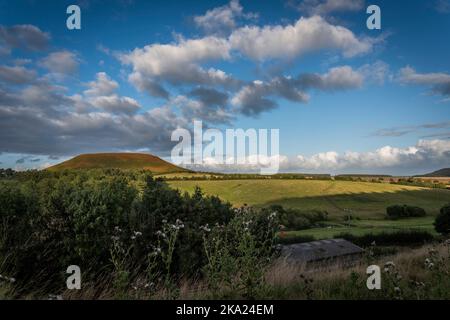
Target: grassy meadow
361,227
365,202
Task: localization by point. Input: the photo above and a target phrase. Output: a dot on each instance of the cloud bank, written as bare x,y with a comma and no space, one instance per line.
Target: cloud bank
388,160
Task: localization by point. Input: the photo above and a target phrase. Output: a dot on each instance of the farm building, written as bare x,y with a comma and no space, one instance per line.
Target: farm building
323,251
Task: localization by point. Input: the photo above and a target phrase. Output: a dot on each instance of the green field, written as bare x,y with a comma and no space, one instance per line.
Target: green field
361,227
365,201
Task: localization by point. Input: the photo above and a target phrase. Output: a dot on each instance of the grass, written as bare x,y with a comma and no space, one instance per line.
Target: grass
416,282
332,232
361,227
409,277
288,281
361,199
364,201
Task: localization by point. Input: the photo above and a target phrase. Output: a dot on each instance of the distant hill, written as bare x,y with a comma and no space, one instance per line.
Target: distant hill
120,161
438,173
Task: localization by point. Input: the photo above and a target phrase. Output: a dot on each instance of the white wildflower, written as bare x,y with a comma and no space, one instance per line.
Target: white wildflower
160,234
389,264
205,228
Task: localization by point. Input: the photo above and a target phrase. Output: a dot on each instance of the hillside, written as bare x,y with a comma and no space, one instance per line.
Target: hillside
120,161
445,172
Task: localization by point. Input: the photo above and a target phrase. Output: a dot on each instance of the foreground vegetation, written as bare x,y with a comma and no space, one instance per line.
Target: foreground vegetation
122,226
422,273
134,237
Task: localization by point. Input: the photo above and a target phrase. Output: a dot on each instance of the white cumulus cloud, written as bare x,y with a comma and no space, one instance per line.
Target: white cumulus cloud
224,18
305,36
61,62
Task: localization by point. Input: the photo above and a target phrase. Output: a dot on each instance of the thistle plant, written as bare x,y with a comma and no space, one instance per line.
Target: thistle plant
238,254
166,244
120,255
393,278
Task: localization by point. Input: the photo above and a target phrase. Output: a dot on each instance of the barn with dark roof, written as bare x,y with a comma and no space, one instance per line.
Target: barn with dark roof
323,251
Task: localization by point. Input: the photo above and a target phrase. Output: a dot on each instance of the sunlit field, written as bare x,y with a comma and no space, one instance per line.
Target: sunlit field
364,202
362,199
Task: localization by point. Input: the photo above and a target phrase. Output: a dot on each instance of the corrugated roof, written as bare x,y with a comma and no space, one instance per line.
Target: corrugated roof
320,250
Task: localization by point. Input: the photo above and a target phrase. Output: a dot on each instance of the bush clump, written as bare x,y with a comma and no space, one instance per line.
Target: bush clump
292,219
442,222
404,211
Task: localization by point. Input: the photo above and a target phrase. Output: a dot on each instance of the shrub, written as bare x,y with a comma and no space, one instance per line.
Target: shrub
49,221
238,254
293,219
442,222
395,211
416,211
404,211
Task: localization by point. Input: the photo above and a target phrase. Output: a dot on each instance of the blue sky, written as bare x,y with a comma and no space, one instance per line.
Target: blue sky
345,98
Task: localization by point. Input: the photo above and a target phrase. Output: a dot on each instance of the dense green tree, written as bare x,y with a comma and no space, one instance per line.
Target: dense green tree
51,220
442,222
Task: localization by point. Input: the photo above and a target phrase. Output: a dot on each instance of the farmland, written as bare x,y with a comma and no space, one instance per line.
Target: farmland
362,199
364,202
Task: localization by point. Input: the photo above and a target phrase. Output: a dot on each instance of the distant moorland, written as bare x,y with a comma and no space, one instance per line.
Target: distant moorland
137,161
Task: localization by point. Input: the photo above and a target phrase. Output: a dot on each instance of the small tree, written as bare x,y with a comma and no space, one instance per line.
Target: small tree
404,211
442,222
